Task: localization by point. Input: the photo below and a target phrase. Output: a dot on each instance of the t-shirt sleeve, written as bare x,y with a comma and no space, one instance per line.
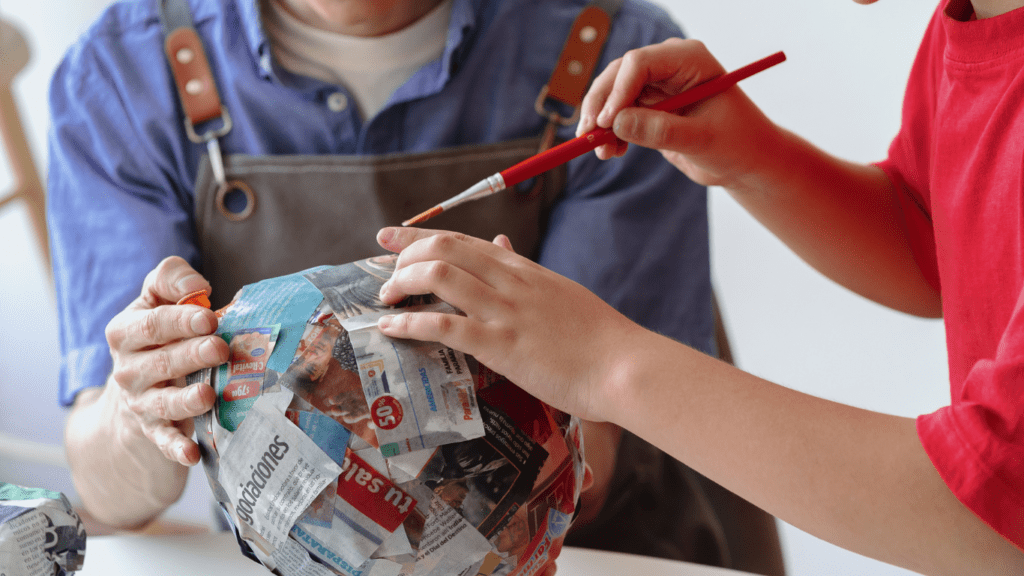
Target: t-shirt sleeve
977,443
908,163
115,208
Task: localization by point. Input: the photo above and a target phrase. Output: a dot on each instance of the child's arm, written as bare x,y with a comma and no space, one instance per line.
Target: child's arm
856,478
840,217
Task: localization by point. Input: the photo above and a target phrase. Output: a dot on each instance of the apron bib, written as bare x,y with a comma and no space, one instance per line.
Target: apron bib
282,214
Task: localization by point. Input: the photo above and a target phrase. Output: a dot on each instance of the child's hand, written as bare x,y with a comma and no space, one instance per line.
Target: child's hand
719,141
546,333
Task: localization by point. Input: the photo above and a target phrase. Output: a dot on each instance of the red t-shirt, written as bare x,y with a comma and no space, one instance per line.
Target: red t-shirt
958,167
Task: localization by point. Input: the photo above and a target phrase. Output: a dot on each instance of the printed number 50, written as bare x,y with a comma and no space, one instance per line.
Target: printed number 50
386,412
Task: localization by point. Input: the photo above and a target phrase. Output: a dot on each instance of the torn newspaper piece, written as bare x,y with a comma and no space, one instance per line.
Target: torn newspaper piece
40,533
335,450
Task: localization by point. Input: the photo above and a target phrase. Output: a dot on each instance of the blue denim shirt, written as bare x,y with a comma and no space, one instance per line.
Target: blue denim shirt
121,169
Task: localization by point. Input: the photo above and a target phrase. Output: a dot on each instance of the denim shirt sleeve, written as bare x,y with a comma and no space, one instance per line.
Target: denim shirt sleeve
634,230
111,220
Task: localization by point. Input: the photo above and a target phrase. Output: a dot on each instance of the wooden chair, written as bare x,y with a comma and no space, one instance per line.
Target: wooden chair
27,185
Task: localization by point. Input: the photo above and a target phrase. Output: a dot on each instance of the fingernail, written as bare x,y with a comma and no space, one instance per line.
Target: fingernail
200,323
208,351
387,235
190,283
384,290
603,117
384,321
622,127
194,400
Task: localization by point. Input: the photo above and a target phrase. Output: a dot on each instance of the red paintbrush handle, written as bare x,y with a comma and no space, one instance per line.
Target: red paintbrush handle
582,144
556,156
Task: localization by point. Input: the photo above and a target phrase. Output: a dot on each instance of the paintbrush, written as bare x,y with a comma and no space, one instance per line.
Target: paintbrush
584,143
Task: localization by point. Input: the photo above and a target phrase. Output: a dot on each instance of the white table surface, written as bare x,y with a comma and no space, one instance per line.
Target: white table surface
217,554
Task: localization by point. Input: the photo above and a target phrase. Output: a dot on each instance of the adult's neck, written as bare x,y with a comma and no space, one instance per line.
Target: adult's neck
990,8
366,18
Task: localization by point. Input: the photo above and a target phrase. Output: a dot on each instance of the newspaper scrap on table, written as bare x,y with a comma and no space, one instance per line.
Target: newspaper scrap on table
40,533
334,450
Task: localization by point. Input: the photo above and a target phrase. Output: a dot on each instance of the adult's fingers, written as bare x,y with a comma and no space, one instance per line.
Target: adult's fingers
171,403
174,443
141,369
141,328
172,279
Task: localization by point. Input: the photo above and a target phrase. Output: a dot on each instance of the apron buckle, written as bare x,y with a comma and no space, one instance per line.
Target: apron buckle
551,115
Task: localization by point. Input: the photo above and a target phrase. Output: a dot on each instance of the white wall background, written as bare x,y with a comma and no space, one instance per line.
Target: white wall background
841,88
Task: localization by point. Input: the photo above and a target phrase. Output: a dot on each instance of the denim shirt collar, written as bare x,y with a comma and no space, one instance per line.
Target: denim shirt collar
432,78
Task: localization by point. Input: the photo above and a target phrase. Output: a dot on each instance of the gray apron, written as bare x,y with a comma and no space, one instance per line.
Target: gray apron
283,214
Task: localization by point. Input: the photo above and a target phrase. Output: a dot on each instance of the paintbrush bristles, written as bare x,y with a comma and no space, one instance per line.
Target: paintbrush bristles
423,217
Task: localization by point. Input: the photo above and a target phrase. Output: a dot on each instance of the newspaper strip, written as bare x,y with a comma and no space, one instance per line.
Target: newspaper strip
487,479
325,432
421,394
448,544
292,559
40,533
250,349
288,302
368,510
547,544
272,471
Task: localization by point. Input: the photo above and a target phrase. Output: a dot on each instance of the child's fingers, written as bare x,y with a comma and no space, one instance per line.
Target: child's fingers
662,131
504,242
596,96
445,280
464,334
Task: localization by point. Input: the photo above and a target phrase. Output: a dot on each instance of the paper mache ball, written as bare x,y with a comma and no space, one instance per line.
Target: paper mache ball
333,449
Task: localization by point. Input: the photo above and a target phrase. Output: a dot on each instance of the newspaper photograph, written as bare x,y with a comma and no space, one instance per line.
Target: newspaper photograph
324,374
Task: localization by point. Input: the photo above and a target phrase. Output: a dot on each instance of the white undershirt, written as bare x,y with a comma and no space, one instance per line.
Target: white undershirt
371,68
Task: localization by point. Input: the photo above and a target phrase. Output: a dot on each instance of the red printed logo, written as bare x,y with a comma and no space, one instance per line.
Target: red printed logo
372,493
241,388
386,412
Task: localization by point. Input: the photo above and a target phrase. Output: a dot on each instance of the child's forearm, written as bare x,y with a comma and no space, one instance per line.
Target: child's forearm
853,477
841,218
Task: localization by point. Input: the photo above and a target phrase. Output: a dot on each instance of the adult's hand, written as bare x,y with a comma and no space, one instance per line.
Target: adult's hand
155,344
544,332
715,142
129,444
